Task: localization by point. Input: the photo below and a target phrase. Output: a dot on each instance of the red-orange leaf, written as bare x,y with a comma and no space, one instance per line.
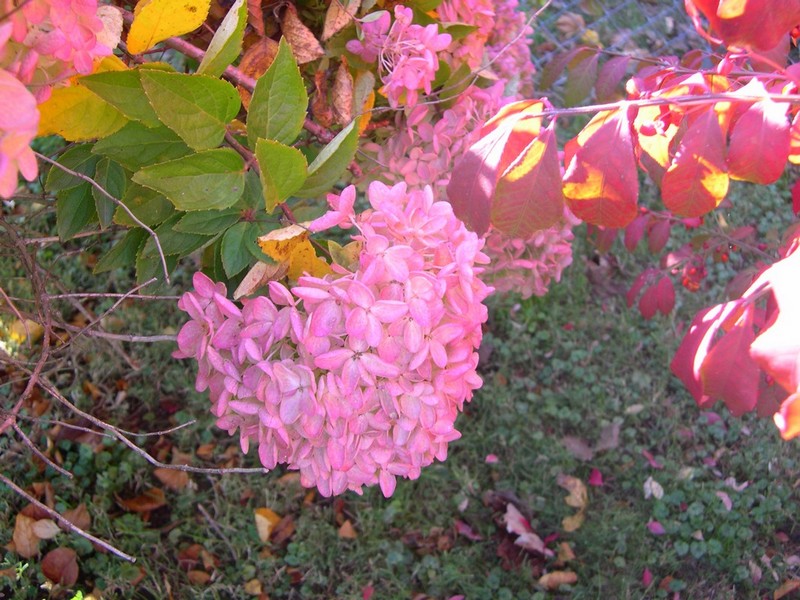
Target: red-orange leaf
528,196
601,183
697,180
760,24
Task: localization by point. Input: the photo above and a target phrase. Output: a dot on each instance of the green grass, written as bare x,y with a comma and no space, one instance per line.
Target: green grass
570,364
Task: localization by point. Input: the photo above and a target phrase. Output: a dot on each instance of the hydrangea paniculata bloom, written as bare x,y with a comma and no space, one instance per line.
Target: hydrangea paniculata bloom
478,13
407,54
353,379
508,50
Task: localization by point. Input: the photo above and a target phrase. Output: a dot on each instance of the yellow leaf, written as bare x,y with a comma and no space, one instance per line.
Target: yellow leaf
346,256
573,523
279,243
304,260
19,331
578,497
76,114
266,520
157,20
366,113
554,579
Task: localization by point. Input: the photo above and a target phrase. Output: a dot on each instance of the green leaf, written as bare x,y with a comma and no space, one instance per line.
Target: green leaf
328,166
196,107
123,253
149,266
278,107
136,146
74,210
174,243
283,171
113,179
212,261
124,91
77,158
458,31
213,179
150,207
208,222
235,242
253,197
226,44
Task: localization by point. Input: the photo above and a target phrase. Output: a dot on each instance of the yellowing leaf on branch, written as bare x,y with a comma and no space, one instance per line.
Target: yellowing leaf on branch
304,43
156,20
77,114
291,246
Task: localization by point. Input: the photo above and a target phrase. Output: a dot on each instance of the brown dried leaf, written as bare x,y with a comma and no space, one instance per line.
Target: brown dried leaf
787,588
197,577
46,529
343,94
570,24
555,579
347,531
565,553
578,496
321,109
573,523
609,437
255,16
61,566
578,447
258,276
339,15
79,517
255,62
283,530
305,45
147,501
253,587
171,478
266,520
26,542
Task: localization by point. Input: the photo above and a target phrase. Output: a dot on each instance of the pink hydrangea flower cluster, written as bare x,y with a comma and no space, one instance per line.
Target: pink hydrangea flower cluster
407,54
355,378
508,50
41,42
478,13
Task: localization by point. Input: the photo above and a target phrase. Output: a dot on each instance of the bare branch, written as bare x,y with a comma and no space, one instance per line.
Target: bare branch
66,523
116,201
33,448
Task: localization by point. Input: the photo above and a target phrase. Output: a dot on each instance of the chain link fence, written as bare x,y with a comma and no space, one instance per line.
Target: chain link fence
637,27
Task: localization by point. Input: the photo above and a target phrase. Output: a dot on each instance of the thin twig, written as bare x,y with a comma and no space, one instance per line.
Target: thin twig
116,201
33,448
215,526
66,523
122,337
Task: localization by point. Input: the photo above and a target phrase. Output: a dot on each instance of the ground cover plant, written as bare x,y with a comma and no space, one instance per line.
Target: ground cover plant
185,202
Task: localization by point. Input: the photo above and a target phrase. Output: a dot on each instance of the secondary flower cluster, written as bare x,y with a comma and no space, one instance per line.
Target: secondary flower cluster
355,378
41,42
406,53
426,140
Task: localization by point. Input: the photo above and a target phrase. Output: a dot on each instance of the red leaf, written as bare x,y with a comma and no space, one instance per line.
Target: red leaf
666,296
582,73
601,183
643,278
697,181
728,373
777,348
528,197
796,197
61,566
788,417
694,347
658,235
648,303
635,231
759,146
609,78
760,24
475,175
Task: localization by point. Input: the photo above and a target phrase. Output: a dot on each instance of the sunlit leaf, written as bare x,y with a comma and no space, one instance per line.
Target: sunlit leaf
76,113
156,20
226,45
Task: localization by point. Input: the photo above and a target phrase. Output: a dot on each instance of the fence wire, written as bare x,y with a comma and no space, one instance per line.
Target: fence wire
637,27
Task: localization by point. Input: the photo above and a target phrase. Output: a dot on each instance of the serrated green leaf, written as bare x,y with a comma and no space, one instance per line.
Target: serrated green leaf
278,107
196,107
174,243
234,252
136,146
150,266
212,261
78,159
112,178
124,91
213,179
283,171
77,114
226,44
150,207
253,197
208,222
328,166
74,210
123,253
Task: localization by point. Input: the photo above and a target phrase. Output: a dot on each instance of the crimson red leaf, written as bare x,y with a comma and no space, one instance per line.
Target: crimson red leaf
796,197
61,566
609,78
760,24
635,231
759,146
601,183
697,181
666,295
728,373
658,236
528,197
